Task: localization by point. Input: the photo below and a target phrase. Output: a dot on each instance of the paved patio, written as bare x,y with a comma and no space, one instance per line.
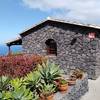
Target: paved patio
94,90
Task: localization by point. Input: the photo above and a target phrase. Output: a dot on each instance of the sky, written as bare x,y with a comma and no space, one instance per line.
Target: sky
18,15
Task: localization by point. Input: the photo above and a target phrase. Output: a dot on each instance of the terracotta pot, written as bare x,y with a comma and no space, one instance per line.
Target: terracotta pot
50,97
56,83
80,76
71,82
42,97
63,87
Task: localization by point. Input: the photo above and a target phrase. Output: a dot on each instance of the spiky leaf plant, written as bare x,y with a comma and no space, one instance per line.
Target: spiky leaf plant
32,81
18,94
50,72
4,81
47,89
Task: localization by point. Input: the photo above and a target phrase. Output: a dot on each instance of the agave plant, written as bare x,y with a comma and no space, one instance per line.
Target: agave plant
50,72
17,83
19,91
18,94
5,95
47,89
32,81
22,94
4,81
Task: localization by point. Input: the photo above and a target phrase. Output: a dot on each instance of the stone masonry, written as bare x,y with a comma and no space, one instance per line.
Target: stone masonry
74,48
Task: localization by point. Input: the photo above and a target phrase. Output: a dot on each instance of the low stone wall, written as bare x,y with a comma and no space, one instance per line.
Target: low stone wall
75,92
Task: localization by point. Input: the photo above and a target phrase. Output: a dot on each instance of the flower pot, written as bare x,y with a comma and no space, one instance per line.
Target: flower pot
50,97
56,82
71,82
80,76
63,87
42,97
78,73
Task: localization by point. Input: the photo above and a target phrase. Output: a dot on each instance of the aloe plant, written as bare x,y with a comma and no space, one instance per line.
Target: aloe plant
22,94
32,81
18,94
50,72
5,95
17,82
4,81
19,91
47,89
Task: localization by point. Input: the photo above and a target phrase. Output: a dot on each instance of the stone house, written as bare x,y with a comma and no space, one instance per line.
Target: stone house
72,45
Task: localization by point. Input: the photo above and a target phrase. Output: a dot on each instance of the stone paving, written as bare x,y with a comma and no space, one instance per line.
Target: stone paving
94,90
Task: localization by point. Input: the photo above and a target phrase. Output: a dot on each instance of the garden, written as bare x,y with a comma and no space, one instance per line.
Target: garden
33,77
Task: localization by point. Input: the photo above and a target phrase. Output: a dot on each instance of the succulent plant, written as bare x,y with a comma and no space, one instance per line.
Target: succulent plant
4,81
16,83
62,81
32,81
78,73
50,72
18,94
5,95
47,89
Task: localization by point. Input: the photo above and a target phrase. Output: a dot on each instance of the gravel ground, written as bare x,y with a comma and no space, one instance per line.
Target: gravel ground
94,90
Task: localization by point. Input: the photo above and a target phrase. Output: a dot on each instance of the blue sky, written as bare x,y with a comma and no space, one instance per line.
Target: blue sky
17,15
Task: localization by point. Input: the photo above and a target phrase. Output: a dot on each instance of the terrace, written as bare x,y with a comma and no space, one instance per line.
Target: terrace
77,49
39,76
17,41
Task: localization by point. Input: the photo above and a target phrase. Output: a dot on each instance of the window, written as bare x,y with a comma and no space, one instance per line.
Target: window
91,35
51,47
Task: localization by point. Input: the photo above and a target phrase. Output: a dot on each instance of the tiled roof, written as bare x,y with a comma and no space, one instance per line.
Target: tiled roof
13,40
56,20
62,21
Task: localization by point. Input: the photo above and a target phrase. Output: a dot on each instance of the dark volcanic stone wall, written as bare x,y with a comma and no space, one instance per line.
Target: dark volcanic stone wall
84,53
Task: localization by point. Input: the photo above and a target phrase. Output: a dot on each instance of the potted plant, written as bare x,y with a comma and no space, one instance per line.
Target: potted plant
63,85
47,92
72,80
78,73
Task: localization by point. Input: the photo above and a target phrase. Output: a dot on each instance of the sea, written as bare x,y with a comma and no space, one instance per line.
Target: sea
4,49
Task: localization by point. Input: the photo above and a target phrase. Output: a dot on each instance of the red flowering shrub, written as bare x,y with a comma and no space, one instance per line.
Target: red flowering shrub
19,65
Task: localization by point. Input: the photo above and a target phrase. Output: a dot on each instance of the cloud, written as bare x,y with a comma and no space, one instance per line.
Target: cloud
83,10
